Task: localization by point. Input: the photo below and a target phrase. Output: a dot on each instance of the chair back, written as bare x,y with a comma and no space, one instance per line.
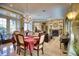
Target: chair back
15,33
41,41
36,34
20,39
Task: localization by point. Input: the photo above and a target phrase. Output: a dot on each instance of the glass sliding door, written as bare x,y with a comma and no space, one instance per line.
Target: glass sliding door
9,22
12,25
3,29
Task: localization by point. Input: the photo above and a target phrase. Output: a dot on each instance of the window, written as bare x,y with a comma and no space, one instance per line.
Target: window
3,31
28,26
25,26
18,25
12,25
2,22
9,24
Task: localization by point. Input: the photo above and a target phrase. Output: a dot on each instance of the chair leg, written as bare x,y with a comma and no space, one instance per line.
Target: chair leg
30,53
14,47
42,51
60,45
37,52
24,52
19,50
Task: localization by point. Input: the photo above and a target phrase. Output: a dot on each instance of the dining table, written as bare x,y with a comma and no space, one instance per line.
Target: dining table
30,42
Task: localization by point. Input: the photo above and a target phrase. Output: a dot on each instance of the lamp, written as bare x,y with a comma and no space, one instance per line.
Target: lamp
72,15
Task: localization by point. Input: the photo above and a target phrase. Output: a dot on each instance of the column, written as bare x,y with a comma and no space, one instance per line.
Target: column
22,25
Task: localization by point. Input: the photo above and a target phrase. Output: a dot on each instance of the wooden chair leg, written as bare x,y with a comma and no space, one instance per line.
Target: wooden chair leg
37,52
14,47
19,50
60,45
24,52
42,51
30,53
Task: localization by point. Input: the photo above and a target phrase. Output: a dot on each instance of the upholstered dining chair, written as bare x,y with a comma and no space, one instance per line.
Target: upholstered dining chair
40,44
36,34
15,39
21,43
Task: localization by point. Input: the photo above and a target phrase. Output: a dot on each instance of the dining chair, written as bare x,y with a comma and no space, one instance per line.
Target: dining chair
40,44
36,34
15,40
21,43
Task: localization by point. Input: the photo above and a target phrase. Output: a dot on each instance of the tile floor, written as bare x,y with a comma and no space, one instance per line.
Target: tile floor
52,48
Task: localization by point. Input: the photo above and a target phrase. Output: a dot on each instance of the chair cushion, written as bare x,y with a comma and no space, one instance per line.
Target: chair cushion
42,39
22,46
40,46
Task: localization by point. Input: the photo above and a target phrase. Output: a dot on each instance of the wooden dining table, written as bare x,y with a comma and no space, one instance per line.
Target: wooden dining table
30,41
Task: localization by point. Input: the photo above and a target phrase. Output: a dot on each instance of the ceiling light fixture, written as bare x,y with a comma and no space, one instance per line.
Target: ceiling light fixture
44,10
11,5
72,15
27,18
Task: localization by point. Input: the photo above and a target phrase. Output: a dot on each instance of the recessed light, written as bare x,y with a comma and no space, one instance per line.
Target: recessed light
11,5
44,10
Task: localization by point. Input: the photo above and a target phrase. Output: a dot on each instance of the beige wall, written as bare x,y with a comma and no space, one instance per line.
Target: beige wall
51,24
55,24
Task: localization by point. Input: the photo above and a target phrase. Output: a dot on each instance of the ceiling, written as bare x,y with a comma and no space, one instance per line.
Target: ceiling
75,7
41,10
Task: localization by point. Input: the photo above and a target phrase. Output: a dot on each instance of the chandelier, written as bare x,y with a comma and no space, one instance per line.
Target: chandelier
27,19
72,15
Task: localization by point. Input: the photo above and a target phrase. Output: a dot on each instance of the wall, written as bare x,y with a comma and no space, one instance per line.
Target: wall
55,24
